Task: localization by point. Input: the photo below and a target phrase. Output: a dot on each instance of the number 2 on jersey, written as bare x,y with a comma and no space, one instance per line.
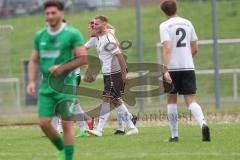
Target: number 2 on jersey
180,41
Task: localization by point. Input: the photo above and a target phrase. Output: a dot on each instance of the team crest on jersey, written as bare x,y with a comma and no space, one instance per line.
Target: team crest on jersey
43,43
58,44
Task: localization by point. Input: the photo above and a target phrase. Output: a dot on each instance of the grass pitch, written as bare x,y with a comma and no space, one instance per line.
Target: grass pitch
26,143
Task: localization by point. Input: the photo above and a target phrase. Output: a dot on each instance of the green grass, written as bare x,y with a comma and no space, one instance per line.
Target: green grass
153,111
23,143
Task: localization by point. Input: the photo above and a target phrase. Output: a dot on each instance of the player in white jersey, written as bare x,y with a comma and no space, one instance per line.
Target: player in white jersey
115,74
110,29
179,41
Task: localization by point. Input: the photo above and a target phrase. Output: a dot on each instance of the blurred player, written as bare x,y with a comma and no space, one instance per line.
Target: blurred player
53,46
179,41
56,121
115,75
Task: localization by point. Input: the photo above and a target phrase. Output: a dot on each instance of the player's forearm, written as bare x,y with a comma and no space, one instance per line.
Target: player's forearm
194,52
194,48
33,68
75,63
166,53
166,57
122,63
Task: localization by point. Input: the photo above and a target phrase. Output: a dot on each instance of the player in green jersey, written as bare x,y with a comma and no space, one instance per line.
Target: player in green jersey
58,48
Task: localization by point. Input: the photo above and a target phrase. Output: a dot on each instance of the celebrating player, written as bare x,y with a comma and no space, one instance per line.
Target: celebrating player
179,41
55,45
115,75
110,29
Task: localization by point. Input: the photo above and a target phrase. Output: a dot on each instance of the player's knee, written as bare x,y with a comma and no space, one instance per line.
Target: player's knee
172,99
189,99
44,123
67,126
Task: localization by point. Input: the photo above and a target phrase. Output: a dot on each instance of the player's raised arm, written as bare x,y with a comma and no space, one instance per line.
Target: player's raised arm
33,67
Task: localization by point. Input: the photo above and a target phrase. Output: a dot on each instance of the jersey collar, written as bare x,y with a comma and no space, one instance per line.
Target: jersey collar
57,32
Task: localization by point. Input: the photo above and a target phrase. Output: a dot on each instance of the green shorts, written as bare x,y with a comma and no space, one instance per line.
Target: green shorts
49,105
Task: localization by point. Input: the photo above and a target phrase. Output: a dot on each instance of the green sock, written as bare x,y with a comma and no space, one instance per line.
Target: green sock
69,150
58,143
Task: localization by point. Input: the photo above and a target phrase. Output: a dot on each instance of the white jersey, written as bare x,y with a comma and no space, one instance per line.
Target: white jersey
112,31
107,48
180,32
77,71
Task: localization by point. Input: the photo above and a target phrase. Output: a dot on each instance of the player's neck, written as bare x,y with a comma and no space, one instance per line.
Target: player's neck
173,16
56,27
101,33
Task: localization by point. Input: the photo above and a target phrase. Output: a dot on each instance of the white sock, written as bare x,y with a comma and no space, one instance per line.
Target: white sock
59,128
55,122
104,114
173,119
126,116
197,113
120,121
81,123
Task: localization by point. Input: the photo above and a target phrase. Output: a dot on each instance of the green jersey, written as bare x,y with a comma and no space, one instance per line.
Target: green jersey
55,48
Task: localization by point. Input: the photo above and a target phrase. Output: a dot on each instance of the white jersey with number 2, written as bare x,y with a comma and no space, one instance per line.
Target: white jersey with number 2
179,32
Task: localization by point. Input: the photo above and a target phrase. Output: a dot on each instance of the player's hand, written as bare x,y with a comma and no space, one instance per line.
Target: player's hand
88,77
124,77
167,77
31,89
55,70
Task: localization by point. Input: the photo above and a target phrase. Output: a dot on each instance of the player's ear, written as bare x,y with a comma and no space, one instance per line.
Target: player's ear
105,24
61,13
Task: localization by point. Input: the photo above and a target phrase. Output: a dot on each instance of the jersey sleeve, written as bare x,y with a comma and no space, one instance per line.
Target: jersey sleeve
112,31
113,44
90,43
78,39
193,34
164,34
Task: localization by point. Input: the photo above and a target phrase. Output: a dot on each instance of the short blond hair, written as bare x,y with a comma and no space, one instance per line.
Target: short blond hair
102,18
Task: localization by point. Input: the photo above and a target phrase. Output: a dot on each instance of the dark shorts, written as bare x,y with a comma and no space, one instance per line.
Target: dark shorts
113,86
184,82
